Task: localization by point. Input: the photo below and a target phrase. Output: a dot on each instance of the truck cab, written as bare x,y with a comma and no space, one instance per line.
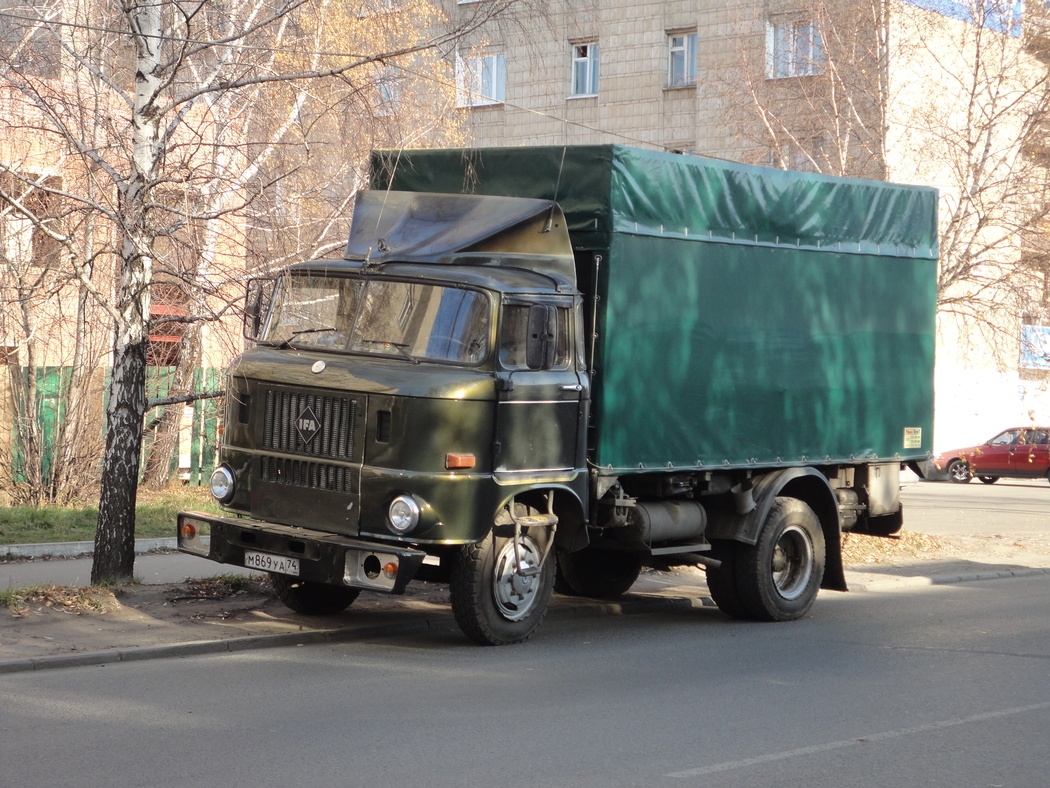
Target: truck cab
417,396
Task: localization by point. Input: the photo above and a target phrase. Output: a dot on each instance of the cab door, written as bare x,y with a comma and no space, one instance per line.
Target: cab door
540,391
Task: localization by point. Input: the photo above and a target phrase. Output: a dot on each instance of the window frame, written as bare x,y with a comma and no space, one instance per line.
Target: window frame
585,69
687,54
470,77
389,92
794,47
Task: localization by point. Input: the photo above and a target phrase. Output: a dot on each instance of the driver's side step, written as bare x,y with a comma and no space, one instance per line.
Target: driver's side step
541,520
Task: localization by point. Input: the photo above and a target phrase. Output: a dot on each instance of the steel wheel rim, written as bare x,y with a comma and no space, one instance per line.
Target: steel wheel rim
792,563
515,592
960,471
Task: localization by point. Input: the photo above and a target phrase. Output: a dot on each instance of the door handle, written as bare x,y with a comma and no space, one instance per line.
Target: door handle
572,387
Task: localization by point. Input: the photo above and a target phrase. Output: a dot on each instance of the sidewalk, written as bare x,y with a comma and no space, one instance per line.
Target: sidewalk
164,616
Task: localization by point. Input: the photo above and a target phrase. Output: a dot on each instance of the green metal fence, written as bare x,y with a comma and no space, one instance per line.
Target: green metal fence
198,438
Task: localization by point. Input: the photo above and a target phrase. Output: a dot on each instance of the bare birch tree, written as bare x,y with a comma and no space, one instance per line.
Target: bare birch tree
169,84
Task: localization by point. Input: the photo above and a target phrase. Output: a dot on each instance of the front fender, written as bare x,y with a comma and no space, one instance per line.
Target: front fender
569,506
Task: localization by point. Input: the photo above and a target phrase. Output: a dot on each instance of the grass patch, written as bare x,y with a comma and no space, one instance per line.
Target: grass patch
154,518
64,598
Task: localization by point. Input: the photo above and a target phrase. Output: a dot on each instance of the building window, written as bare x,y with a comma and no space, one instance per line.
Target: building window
25,242
481,80
681,60
168,304
805,154
29,44
368,7
584,69
388,93
794,48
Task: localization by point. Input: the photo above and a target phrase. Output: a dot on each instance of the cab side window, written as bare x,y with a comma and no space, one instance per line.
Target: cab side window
534,336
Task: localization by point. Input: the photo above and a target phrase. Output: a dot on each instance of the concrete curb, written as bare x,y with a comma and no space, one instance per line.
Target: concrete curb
67,549
942,580
325,636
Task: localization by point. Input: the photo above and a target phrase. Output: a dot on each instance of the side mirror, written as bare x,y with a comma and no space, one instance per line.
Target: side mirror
257,301
541,341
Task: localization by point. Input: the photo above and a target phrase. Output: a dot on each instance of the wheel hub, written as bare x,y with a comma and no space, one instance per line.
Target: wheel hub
792,562
516,579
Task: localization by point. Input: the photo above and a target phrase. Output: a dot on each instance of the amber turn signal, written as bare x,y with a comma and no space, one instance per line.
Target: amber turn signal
455,461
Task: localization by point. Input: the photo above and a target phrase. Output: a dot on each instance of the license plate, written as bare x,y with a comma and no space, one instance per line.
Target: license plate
271,563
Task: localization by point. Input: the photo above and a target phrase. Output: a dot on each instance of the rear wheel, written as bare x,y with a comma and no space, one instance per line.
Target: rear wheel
603,574
989,479
312,599
777,578
721,580
501,587
959,472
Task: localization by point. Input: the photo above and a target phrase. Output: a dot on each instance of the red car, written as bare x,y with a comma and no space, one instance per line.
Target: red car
1020,452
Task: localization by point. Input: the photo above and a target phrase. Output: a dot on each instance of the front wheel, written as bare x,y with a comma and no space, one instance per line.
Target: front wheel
959,471
312,599
777,578
500,588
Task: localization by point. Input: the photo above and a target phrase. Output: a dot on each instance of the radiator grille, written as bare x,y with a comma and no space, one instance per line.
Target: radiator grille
304,473
335,418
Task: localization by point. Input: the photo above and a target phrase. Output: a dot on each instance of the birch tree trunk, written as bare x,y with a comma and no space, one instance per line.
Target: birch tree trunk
115,538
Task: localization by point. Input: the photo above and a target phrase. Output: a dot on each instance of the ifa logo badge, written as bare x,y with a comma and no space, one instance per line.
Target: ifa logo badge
307,425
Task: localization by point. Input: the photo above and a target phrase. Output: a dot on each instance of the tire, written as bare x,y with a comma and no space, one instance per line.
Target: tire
721,581
312,599
492,604
959,471
989,479
777,578
602,574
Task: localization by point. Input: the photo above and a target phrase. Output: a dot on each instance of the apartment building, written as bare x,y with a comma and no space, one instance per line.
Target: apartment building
900,90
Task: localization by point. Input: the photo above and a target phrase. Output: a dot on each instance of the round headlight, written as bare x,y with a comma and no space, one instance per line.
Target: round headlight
222,484
403,514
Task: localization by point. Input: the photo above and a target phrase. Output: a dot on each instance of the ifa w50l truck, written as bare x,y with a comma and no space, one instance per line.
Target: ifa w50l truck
558,365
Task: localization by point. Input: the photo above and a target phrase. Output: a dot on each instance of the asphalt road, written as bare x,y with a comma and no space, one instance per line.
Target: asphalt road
1015,506
945,686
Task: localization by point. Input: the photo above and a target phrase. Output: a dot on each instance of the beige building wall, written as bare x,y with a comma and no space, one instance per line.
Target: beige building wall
879,120
634,104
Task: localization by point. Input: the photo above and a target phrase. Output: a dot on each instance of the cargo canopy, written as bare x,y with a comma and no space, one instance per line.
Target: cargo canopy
615,189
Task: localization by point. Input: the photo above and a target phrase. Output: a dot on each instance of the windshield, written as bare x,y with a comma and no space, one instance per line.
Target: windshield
421,322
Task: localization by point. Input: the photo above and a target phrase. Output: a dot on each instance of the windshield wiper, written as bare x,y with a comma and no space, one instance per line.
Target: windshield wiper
288,342
399,345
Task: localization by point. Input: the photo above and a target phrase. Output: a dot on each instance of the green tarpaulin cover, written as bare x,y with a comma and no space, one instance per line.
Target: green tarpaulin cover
747,316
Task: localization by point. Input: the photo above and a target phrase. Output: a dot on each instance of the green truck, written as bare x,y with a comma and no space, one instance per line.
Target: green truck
553,366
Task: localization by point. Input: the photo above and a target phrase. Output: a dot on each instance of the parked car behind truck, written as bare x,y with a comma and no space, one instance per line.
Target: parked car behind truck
1016,453
600,358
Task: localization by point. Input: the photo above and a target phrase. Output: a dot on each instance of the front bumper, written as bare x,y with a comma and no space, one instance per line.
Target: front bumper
322,557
